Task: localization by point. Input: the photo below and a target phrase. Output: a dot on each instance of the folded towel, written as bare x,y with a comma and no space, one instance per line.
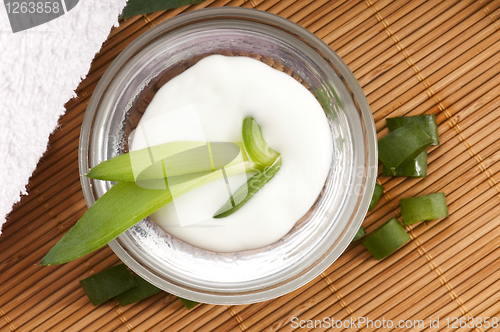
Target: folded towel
39,70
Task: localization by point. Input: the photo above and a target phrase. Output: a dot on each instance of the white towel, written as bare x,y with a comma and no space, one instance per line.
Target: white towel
39,70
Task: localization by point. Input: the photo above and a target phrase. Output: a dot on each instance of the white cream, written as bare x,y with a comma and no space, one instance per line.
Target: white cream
216,95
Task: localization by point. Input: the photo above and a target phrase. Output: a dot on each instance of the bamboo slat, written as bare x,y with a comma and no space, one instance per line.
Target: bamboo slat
304,15
435,286
291,10
344,23
457,37
419,93
410,58
323,8
370,27
397,21
40,201
419,30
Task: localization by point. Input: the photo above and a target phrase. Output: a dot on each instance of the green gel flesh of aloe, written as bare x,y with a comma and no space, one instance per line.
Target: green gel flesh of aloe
416,167
255,145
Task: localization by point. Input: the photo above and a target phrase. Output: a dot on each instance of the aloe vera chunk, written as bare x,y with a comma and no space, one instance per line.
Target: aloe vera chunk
426,122
404,143
423,208
107,284
262,155
142,7
415,168
386,239
257,148
359,234
188,303
377,194
142,291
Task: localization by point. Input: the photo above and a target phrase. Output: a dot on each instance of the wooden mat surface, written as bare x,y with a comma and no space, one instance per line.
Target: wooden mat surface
410,57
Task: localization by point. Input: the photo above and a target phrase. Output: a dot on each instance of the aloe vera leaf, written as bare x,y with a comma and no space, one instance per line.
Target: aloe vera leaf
377,193
190,164
180,158
118,209
121,168
426,122
404,143
107,284
142,291
140,7
416,168
257,148
359,234
423,208
248,190
386,239
263,156
188,303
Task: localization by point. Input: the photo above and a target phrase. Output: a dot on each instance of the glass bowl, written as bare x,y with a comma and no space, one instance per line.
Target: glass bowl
319,237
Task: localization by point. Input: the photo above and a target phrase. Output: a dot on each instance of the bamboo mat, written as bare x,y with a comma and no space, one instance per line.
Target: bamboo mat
410,57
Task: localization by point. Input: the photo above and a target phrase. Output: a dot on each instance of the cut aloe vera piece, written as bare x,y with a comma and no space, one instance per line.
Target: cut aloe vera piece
257,148
405,143
107,284
423,208
426,122
386,239
188,303
262,155
377,193
415,168
359,234
142,291
247,191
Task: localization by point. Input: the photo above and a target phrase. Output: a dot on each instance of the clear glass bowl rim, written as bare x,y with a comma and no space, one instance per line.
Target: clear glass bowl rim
369,141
